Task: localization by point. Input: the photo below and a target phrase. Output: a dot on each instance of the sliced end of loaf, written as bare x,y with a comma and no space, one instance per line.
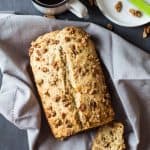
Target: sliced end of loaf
110,137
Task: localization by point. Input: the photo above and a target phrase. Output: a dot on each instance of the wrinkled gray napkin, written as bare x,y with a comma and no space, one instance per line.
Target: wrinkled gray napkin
129,79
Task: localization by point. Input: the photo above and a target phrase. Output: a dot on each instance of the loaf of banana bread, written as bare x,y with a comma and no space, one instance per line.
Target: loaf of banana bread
70,81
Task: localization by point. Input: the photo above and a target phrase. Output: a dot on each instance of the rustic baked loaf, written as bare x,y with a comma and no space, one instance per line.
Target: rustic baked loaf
109,137
70,81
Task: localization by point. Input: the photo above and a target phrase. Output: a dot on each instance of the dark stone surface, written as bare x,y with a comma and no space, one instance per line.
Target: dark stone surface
12,138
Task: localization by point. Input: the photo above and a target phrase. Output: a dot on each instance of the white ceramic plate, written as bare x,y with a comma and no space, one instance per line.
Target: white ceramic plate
124,18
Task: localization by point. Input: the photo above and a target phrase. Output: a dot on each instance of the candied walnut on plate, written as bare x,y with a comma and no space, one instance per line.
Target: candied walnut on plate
146,31
135,13
109,26
118,6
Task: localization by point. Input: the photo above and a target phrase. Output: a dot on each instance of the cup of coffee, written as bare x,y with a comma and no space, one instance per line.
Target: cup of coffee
52,7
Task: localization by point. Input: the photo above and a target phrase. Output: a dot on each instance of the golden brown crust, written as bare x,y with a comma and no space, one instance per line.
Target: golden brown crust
70,81
109,137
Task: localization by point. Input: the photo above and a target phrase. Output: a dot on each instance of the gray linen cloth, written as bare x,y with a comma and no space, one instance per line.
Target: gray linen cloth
126,66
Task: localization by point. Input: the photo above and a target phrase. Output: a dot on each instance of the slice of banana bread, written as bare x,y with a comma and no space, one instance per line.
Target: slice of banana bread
109,137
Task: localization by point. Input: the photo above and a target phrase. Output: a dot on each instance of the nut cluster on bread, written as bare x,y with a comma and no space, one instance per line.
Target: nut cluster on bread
70,81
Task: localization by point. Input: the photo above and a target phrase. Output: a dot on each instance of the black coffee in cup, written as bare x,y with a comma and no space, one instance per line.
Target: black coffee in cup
50,2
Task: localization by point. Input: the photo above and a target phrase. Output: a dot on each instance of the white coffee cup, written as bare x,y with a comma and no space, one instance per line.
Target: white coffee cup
75,6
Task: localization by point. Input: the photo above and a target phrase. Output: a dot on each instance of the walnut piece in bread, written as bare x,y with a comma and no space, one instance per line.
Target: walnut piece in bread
70,81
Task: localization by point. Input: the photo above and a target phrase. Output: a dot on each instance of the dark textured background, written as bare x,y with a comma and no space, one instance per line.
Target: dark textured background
12,138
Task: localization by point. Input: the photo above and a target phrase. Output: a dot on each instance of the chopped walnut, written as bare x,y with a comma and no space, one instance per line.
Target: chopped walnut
109,26
93,104
64,99
91,57
82,71
52,41
68,124
67,39
79,40
40,81
38,53
54,81
53,114
45,50
135,13
37,58
44,69
47,93
60,48
118,6
57,98
48,115
36,45
55,65
58,123
84,41
67,103
95,70
93,91
63,115
146,31
103,100
82,107
49,108
72,46
75,51
71,30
